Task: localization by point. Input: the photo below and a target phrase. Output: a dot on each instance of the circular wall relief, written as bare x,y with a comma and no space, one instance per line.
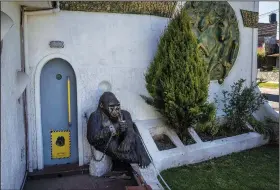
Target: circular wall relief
58,76
216,28
104,86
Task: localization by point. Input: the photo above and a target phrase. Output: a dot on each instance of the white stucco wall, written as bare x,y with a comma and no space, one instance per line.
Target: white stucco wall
116,48
13,161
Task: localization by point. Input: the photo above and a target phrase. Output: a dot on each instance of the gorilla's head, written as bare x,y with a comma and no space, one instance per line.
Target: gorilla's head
110,105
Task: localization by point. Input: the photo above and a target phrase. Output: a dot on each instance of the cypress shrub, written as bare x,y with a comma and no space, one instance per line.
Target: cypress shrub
177,78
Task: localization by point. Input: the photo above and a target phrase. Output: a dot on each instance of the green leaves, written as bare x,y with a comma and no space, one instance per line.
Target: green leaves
177,78
239,105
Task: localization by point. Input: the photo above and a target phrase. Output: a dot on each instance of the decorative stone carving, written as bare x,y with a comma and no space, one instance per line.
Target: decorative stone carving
112,131
250,18
216,28
157,8
56,44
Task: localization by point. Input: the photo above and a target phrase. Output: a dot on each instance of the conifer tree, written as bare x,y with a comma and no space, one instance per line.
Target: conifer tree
177,78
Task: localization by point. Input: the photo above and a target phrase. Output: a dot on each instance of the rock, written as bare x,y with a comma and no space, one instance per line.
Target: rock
275,138
273,124
99,168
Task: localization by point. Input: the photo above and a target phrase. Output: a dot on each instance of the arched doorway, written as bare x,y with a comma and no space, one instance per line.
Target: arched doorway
58,98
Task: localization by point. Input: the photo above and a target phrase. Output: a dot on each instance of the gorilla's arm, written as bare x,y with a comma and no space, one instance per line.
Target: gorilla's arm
128,119
129,140
133,140
96,133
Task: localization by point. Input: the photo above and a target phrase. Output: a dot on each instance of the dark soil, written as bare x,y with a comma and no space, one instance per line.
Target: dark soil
163,142
204,136
188,140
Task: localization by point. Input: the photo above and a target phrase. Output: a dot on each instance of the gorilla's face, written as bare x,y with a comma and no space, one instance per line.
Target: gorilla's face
110,105
114,110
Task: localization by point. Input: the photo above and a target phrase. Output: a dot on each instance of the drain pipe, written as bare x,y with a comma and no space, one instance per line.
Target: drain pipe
254,48
27,13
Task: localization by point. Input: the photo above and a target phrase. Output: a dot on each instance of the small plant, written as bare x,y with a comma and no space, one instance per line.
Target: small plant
239,105
275,69
177,79
261,58
261,127
209,125
273,128
268,127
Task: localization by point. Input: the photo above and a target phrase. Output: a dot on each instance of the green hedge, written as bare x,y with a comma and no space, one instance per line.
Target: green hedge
177,78
157,8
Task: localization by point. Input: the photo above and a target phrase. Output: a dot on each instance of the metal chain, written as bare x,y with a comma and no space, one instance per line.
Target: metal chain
152,162
106,147
91,147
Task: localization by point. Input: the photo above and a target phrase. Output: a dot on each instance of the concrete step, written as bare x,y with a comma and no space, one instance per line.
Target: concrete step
59,171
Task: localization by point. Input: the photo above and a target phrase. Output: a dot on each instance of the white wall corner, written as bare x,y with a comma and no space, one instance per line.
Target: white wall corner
6,24
22,82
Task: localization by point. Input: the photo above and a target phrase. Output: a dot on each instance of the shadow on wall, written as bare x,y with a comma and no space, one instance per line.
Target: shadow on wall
22,78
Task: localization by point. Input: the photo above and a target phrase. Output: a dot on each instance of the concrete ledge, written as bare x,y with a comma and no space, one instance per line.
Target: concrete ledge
190,154
207,150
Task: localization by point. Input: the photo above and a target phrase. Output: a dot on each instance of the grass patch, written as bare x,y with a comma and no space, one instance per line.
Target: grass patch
269,85
253,169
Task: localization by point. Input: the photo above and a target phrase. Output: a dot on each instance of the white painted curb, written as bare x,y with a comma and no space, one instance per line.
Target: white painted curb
190,154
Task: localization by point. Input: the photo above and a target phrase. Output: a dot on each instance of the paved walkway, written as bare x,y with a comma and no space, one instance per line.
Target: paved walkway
79,182
273,97
269,91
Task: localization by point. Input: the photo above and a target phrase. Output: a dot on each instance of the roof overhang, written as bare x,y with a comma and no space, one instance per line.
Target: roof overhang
36,4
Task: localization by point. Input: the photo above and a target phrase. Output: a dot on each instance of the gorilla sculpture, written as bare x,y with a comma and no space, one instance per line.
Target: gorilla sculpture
112,131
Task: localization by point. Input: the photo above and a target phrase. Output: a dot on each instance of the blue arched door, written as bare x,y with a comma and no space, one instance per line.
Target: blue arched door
59,113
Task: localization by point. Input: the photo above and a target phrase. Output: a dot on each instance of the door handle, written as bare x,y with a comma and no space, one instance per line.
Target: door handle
69,101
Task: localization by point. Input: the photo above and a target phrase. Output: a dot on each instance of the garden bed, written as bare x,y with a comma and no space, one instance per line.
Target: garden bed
163,142
189,140
190,154
204,136
207,137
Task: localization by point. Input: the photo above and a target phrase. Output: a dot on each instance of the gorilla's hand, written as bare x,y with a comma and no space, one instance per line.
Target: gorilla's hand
123,127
